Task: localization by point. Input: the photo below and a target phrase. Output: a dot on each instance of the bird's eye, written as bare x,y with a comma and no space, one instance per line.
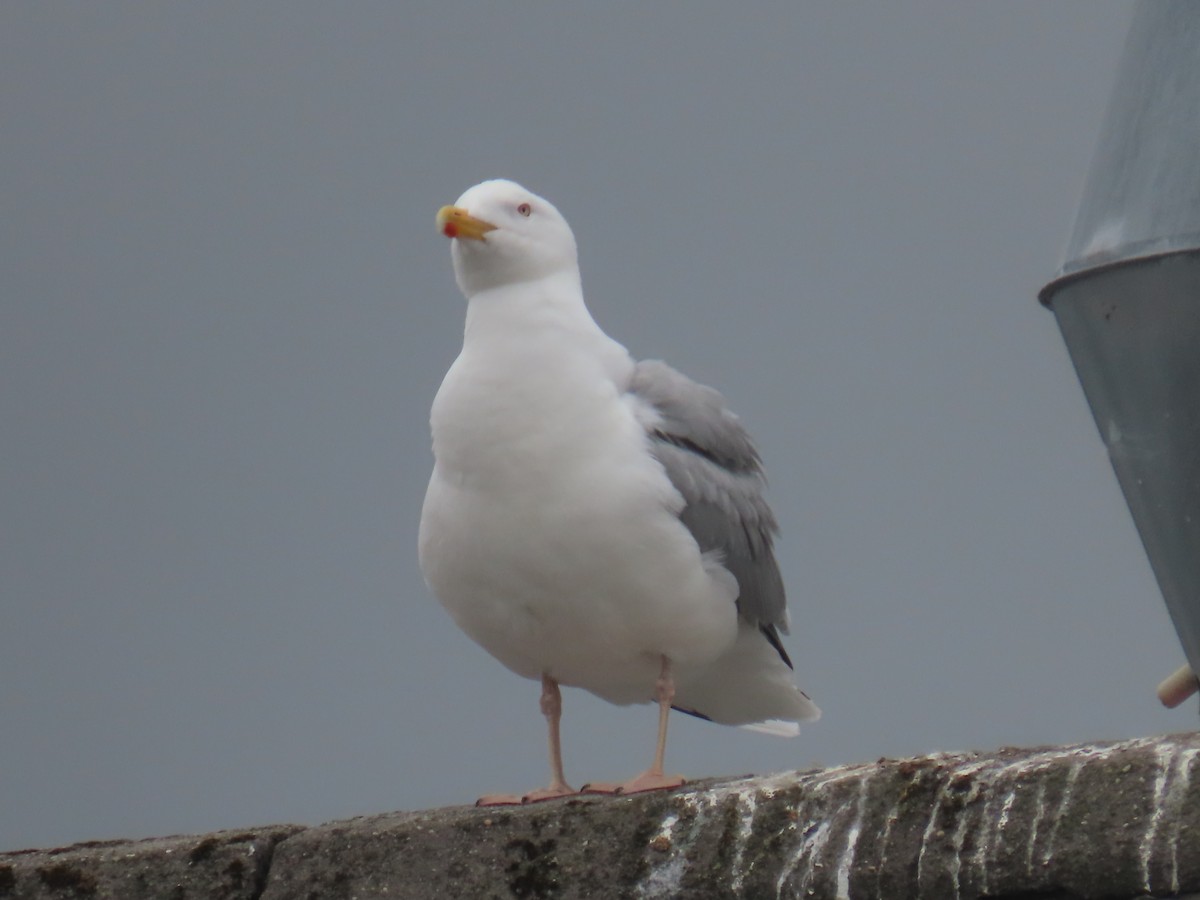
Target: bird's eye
525,209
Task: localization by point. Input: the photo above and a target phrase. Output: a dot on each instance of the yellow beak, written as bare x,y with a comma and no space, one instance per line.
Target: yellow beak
456,222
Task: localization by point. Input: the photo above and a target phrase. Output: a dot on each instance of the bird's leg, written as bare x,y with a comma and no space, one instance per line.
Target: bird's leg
653,779
552,710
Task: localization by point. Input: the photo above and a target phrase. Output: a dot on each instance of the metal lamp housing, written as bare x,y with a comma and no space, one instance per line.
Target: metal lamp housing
1127,299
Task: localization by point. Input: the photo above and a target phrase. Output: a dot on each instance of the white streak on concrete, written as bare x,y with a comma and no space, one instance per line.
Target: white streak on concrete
1039,811
987,836
785,871
814,838
695,811
1176,797
892,816
664,880
1064,803
1171,783
815,821
846,860
1002,822
678,832
810,847
1020,769
990,844
936,806
664,831
980,778
747,806
1003,779
1146,854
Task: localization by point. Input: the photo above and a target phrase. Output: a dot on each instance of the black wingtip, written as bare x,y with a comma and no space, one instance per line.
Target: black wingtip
692,712
771,633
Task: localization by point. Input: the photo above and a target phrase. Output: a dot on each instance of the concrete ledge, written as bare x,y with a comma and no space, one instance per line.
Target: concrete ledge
1117,820
228,864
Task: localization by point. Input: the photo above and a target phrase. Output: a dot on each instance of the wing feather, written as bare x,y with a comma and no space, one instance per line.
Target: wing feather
711,461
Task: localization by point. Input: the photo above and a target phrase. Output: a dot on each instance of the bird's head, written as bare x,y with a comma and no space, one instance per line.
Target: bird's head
503,234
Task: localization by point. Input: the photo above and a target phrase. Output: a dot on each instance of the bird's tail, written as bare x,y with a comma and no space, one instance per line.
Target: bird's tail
749,685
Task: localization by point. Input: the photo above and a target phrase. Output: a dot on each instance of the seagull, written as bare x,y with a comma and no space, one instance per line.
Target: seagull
595,521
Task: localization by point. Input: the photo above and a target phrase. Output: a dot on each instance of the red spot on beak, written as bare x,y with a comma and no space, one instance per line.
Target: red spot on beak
450,230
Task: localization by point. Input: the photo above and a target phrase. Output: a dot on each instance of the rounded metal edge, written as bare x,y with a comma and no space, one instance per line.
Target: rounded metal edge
1070,275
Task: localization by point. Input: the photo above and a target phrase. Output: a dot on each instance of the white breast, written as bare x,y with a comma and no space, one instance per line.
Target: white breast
548,530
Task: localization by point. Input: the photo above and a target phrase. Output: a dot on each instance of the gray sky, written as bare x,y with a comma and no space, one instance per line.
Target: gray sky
226,311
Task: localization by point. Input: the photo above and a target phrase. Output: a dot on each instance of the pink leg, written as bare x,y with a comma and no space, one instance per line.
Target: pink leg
552,710
653,779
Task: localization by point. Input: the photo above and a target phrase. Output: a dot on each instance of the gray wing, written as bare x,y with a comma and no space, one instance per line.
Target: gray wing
711,461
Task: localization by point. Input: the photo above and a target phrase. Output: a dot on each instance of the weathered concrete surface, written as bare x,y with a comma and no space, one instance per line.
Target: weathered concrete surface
1093,821
224,864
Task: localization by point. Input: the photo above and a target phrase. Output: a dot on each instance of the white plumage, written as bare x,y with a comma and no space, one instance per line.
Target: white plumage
562,528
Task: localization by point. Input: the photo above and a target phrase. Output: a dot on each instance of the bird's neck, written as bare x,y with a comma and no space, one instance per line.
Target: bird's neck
540,330
537,310
536,379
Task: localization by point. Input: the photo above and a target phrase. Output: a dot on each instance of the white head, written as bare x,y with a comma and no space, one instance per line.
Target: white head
503,234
